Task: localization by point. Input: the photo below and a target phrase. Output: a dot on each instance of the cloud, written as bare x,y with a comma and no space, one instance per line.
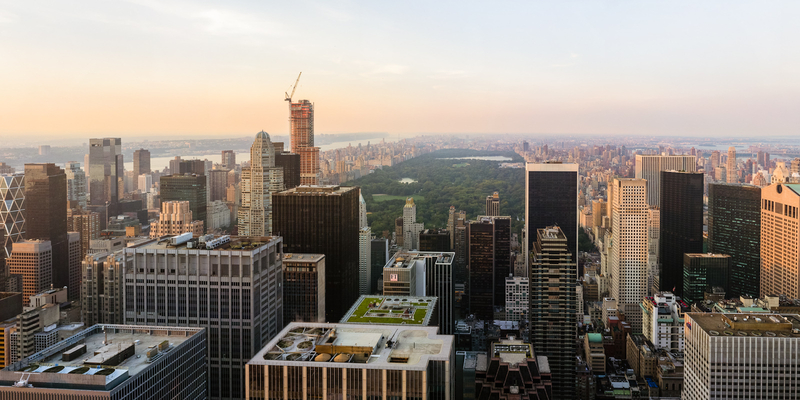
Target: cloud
7,17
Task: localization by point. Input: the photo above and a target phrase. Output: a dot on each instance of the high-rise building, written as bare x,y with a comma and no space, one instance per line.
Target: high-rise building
733,170
650,167
489,264
145,183
232,287
141,166
290,163
681,225
46,214
364,249
653,241
630,218
87,224
175,219
105,171
75,256
217,184
303,287
191,188
715,159
102,280
33,261
228,159
302,130
663,320
107,362
76,185
12,214
323,220
259,182
434,240
780,241
411,228
517,298
461,250
378,258
705,271
525,374
553,306
551,198
493,205
366,361
740,356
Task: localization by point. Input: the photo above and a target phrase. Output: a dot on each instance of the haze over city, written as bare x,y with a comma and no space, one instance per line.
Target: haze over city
219,69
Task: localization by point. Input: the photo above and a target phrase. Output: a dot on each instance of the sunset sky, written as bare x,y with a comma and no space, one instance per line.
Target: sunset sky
155,68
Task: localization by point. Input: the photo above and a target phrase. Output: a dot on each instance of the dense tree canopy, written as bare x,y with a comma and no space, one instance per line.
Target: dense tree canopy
442,183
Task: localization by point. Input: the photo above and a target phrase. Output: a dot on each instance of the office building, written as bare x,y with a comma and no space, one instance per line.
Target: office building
421,273
219,216
681,225
74,263
230,286
734,228
517,298
195,166
46,214
653,241
704,271
191,188
301,119
114,362
595,353
629,254
649,167
551,199
303,287
259,182
102,280
176,218
732,169
512,370
86,223
434,240
323,220
493,205
378,258
368,361
663,320
741,356
76,185
411,228
780,241
145,183
105,169
489,264
364,249
33,261
228,159
290,163
12,213
217,184
553,307
141,166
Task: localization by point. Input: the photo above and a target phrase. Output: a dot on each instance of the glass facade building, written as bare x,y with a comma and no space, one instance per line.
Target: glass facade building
46,214
703,271
681,225
187,187
489,264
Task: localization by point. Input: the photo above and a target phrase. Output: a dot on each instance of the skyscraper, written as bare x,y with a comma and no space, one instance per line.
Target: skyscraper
411,228
630,217
175,219
681,225
141,165
33,261
76,185
733,171
46,214
551,199
102,278
734,228
191,188
323,220
434,240
105,171
780,241
303,287
364,249
12,214
86,223
553,307
493,205
650,167
378,258
259,181
217,184
302,130
489,264
705,271
228,159
290,163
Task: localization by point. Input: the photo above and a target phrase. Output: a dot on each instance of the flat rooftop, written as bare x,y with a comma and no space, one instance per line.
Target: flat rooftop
320,190
405,259
302,257
369,346
748,324
393,310
236,243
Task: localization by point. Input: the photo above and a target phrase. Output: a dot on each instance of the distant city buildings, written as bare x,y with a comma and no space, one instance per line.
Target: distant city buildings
76,185
141,166
105,171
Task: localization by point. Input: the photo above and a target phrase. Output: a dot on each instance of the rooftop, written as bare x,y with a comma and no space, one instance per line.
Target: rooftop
747,324
223,242
305,257
393,310
330,190
113,352
405,259
372,346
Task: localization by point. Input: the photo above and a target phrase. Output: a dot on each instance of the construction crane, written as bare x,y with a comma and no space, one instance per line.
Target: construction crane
289,96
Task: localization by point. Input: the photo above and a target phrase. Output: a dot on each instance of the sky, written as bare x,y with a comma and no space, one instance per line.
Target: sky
178,68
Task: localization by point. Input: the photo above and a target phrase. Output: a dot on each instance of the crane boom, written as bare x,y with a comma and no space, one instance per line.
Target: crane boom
289,96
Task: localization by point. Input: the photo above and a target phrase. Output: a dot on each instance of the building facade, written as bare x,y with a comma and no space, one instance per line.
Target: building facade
702,272
33,261
105,170
493,205
191,188
141,166
489,264
303,287
46,214
12,213
663,320
517,298
649,167
551,198
102,300
411,228
780,241
76,185
301,117
681,225
175,219
259,182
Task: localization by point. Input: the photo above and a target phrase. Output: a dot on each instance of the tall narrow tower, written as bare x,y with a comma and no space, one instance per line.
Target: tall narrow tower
733,176
259,182
493,205
302,131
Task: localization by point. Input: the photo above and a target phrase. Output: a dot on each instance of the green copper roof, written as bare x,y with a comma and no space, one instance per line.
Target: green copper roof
793,186
595,338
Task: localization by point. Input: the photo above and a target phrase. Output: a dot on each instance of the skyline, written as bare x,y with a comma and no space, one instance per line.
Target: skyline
147,68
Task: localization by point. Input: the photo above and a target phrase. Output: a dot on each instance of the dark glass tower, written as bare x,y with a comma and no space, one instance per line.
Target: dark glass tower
105,171
323,220
703,271
553,307
734,228
434,240
141,165
378,258
489,255
187,187
551,199
46,214
290,163
681,225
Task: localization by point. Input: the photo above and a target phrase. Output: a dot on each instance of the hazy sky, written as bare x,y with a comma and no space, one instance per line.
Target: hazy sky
156,67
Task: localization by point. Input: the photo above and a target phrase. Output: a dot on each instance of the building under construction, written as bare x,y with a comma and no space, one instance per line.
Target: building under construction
302,129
